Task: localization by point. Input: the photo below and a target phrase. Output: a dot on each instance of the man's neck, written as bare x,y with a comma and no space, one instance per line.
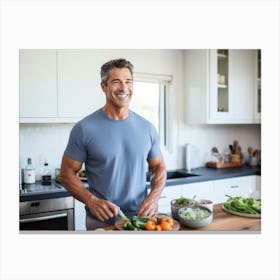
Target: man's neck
116,113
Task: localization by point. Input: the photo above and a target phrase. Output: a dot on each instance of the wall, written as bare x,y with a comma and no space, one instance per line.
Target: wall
40,141
43,141
203,137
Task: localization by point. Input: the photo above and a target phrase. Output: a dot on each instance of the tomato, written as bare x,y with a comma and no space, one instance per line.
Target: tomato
150,225
169,220
167,223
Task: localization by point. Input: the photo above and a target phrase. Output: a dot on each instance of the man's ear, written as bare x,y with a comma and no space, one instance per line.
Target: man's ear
103,87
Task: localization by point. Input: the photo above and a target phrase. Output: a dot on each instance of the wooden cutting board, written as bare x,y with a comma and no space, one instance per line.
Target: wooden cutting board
221,164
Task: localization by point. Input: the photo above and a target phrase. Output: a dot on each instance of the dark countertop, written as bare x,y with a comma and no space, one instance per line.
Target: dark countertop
37,191
210,174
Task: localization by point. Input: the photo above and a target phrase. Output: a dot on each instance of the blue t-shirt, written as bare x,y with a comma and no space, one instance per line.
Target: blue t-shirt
115,153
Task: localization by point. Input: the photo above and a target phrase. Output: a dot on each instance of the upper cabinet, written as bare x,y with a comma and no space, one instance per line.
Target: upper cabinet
78,83
221,86
38,84
59,85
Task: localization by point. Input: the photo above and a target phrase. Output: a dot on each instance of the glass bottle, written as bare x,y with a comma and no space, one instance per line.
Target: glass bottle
46,176
29,173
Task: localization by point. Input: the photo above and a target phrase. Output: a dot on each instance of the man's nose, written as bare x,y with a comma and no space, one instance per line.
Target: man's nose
123,86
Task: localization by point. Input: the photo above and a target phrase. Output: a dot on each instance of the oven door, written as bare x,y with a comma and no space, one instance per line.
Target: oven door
53,220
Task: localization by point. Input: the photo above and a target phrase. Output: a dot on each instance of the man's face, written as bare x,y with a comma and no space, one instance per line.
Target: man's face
119,88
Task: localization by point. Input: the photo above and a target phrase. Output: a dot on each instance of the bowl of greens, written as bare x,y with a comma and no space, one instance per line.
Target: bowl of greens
178,203
195,216
243,206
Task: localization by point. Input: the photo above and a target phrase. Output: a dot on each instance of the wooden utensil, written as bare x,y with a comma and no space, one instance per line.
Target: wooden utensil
250,151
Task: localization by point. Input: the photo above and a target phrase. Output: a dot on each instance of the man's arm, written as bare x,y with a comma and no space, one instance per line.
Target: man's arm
101,209
158,179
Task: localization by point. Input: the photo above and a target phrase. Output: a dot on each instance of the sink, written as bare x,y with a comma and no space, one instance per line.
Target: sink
174,175
178,175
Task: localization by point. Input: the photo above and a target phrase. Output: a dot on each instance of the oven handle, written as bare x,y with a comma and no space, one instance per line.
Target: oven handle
28,220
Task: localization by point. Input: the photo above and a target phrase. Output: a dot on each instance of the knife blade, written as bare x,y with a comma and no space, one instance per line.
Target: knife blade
122,215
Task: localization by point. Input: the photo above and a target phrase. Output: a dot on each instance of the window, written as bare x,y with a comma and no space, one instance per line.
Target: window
149,101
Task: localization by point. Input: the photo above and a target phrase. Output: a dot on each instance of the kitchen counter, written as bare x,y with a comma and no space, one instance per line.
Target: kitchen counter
210,174
37,191
222,222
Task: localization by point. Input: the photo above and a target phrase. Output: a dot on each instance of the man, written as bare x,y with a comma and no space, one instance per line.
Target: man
115,144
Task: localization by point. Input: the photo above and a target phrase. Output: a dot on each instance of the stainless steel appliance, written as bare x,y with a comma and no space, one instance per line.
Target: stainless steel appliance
47,214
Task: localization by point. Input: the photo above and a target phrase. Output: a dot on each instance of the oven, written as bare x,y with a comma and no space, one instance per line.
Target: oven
47,214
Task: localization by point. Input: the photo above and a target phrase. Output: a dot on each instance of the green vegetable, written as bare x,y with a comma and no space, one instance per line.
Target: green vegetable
195,214
135,223
128,225
243,205
184,201
139,222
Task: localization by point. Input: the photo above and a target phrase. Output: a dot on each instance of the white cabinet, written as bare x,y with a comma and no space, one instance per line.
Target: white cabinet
79,215
79,91
239,186
59,85
202,190
38,84
167,195
221,86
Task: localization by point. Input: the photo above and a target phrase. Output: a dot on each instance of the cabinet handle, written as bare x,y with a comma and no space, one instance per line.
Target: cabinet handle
163,196
234,187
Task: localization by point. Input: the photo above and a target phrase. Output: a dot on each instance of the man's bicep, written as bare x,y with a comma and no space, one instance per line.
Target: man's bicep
70,165
156,162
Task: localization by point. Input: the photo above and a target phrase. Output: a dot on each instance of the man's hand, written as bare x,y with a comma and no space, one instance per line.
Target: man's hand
102,209
148,207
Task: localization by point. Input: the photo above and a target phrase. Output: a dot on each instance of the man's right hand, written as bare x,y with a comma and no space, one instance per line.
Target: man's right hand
102,209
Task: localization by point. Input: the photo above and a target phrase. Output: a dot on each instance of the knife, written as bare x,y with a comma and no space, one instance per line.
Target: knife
122,215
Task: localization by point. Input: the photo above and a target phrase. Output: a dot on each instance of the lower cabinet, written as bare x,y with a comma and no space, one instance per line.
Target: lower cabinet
239,186
215,190
201,190
79,215
167,195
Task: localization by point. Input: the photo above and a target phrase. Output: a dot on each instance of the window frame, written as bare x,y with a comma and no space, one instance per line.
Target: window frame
164,81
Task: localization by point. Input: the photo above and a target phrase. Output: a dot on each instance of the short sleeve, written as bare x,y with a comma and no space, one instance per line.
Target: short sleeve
76,148
155,148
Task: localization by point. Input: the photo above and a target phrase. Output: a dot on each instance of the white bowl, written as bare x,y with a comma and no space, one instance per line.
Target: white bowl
205,202
195,223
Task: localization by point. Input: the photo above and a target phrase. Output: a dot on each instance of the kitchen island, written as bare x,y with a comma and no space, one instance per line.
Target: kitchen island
223,222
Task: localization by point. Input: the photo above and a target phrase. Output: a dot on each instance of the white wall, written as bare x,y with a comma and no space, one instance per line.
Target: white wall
40,141
203,137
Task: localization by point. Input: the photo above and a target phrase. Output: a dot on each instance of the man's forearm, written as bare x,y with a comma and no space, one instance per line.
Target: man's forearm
75,186
158,181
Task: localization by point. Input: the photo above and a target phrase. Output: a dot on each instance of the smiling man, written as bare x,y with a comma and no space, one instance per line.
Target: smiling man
116,146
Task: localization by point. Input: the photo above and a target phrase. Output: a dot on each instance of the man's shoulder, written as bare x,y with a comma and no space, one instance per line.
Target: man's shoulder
93,116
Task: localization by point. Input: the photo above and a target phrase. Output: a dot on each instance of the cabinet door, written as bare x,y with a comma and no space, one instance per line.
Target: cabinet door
79,91
202,190
38,90
220,103
167,195
79,215
239,186
242,83
232,84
